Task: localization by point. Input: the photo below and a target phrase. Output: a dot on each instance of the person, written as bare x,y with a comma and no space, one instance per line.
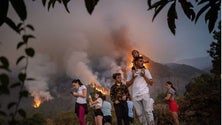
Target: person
130,110
106,109
135,54
81,104
119,94
140,79
97,104
170,97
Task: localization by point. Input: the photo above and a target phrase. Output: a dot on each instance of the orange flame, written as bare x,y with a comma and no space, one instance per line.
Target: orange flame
37,102
130,65
99,88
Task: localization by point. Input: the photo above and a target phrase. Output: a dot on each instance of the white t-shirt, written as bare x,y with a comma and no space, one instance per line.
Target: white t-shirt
99,102
139,86
81,100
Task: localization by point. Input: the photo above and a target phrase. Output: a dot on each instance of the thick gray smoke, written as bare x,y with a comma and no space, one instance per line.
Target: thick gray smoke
42,70
78,67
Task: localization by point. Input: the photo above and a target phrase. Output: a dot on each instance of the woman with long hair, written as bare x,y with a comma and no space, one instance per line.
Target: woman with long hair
81,103
170,97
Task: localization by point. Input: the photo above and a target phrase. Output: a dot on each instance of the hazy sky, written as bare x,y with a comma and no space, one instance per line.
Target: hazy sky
95,45
56,30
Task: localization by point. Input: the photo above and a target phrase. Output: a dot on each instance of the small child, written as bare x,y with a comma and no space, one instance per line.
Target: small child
130,110
135,53
98,107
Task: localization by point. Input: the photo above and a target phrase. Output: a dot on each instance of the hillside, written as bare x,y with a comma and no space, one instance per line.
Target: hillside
62,101
202,63
178,74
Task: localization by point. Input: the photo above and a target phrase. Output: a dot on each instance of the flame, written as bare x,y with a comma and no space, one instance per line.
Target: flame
99,88
146,61
37,102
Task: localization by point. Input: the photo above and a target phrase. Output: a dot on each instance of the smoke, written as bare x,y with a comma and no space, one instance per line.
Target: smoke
77,66
41,69
90,66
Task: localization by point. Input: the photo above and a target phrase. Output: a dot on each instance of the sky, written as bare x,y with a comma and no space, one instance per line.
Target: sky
95,45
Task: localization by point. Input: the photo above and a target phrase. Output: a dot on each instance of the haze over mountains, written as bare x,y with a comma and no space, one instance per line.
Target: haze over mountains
203,63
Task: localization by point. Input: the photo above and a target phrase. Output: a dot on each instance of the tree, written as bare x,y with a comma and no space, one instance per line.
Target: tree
215,52
210,7
203,100
203,93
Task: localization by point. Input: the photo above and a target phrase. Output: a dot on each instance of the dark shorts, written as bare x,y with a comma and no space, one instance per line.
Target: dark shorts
131,119
98,112
107,119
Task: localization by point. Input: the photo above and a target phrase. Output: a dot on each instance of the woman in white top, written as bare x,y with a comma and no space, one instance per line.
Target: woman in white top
97,104
81,104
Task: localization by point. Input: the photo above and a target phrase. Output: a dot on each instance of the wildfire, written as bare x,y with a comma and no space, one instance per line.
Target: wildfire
99,88
146,62
37,102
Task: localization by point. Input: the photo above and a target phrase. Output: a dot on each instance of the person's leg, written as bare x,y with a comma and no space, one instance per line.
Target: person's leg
81,115
96,120
99,119
138,107
125,111
109,120
118,112
147,109
175,118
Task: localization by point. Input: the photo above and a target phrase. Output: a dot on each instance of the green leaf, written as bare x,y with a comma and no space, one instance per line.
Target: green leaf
187,8
10,105
171,17
51,3
4,62
149,4
22,113
43,2
30,52
4,79
158,7
20,44
27,37
90,5
20,8
15,85
30,27
3,10
24,93
12,24
19,59
19,25
22,76
211,17
65,3
200,12
4,89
